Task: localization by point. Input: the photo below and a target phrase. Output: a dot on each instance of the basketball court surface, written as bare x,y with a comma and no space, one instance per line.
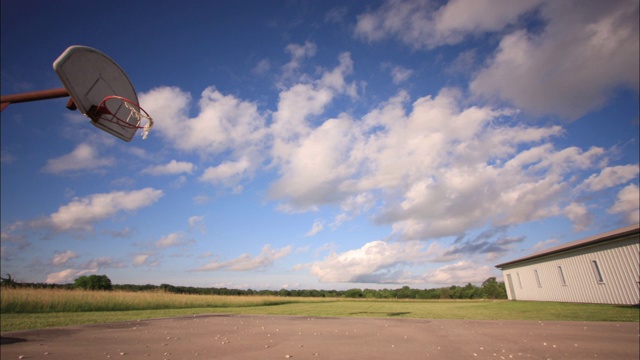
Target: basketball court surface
296,337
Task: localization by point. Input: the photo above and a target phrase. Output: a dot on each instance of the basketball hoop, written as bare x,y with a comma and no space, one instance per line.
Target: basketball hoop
122,112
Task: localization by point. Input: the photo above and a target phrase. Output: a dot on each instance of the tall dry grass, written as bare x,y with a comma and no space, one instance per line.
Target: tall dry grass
25,300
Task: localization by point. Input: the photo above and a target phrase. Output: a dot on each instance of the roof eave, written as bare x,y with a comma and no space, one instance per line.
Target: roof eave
608,236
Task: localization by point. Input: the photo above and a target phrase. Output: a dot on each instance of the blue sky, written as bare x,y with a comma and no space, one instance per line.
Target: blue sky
320,144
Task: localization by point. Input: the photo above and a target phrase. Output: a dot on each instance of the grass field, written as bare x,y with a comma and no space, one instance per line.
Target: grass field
39,308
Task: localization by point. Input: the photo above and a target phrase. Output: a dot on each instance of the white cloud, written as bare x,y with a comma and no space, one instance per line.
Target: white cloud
246,262
317,226
374,262
541,245
579,215
628,204
81,213
419,25
478,163
173,239
462,159
102,262
459,18
436,253
90,267
586,50
262,67
298,54
83,157
227,173
67,276
354,206
145,259
611,176
223,122
314,168
305,99
173,167
197,222
399,74
63,257
462,272
140,259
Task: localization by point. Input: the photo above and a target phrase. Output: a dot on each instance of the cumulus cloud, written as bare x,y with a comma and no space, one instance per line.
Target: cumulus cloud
224,122
67,276
628,204
375,262
469,161
227,173
418,24
140,259
63,257
306,98
461,272
492,243
173,167
579,215
82,213
246,262
314,167
262,67
478,163
298,54
541,245
611,176
584,51
399,74
197,222
83,157
317,226
88,268
174,239
145,259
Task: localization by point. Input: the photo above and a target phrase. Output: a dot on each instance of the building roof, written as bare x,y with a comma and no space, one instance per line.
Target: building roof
608,236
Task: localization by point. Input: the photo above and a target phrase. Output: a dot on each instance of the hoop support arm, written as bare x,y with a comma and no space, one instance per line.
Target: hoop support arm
33,96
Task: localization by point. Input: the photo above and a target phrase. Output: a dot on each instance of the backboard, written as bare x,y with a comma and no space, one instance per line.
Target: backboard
91,76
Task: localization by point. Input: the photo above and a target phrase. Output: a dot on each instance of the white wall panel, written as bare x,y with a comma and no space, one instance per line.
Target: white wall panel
619,262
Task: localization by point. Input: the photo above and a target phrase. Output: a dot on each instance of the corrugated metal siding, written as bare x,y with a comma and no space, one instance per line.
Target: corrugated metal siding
619,262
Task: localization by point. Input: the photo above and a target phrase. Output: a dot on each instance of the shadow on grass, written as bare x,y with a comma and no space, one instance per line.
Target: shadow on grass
380,313
637,306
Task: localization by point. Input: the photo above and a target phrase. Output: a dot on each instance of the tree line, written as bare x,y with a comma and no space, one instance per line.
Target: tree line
490,289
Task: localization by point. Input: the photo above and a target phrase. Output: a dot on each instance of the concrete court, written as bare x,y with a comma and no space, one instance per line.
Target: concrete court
297,337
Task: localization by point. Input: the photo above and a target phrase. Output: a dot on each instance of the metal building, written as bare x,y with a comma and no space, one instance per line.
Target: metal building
601,269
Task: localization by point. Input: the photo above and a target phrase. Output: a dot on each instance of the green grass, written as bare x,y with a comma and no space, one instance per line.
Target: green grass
462,309
31,309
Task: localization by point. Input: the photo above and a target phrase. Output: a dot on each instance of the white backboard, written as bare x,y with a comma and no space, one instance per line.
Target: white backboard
90,76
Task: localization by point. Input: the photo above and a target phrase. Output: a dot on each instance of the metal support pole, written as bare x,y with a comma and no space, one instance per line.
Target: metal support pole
33,96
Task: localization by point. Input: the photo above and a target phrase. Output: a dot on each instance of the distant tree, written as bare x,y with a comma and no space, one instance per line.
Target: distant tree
403,293
93,282
353,293
490,288
369,293
471,291
8,281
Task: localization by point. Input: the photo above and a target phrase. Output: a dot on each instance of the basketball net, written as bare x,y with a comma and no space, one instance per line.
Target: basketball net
104,112
139,116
